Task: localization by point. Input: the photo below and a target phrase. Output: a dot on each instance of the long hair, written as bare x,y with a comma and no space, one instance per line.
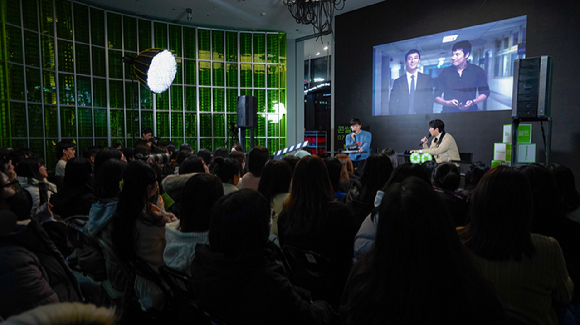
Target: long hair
347,167
137,177
258,157
276,178
378,169
108,178
309,197
104,155
192,164
77,173
225,169
501,216
199,195
392,156
28,168
417,260
566,184
446,176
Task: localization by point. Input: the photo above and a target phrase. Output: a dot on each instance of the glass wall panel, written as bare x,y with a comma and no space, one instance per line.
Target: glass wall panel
114,31
205,99
204,44
13,38
100,122
130,33
99,66
260,95
81,25
146,98
66,88
144,35
97,27
49,84
48,55
177,124
232,100
273,77
50,121
217,45
259,75
18,120
65,56
115,64
206,144
189,74
46,17
206,125
259,48
189,42
99,92
35,121
273,102
231,74
273,48
31,49
176,98
12,12
232,46
175,39
163,124
190,99
83,59
85,122
205,73
146,119
190,125
162,101
218,99
160,35
68,125
33,85
245,47
219,125
117,123
64,19
116,94
245,75
30,14
218,74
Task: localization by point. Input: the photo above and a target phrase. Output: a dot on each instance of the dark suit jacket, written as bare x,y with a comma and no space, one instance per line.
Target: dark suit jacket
424,97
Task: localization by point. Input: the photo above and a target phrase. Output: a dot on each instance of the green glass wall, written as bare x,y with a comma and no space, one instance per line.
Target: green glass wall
62,77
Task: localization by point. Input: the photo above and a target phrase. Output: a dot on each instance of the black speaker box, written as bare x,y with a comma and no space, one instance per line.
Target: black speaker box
247,111
532,88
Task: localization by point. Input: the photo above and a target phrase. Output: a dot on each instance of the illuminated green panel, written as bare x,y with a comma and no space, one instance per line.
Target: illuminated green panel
129,68
116,94
260,142
273,48
218,125
147,119
37,146
246,92
114,28
35,121
189,42
81,17
31,49
12,11
189,74
18,120
160,35
218,99
178,141
273,101
115,64
33,85
65,56
260,95
175,39
273,145
204,44
163,124
162,101
144,35
128,91
83,59
232,100
205,99
146,98
14,44
231,118
84,97
178,74
84,144
245,47
51,153
219,143
50,121
205,73
66,89
217,45
49,84
246,75
99,65
46,17
64,22
85,122
232,46
101,143
273,125
231,74
130,33
48,55
68,126
259,48
259,75
261,129
99,92
192,142
100,122
177,124
190,99
206,144
273,76
218,74
190,125
117,123
205,125
97,27
176,98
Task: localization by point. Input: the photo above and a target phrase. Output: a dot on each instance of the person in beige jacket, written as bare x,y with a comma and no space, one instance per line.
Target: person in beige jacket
443,147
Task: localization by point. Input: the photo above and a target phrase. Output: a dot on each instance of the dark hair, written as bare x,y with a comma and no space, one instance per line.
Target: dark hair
241,158
437,124
91,152
146,130
142,148
465,46
240,223
77,173
276,178
334,168
160,149
106,154
566,184
429,167
392,156
182,156
221,152
446,176
108,178
411,52
129,154
238,147
199,195
292,161
475,173
62,145
185,147
18,155
311,191
417,256
258,157
225,169
28,167
347,167
133,199
377,171
205,155
191,165
355,121
499,228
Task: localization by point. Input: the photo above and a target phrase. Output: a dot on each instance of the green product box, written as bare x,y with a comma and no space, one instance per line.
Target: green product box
502,151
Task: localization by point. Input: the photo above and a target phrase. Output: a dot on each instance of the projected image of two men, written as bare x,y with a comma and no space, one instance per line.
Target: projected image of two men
464,70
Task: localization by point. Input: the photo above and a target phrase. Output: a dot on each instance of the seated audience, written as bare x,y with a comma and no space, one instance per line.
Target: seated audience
236,278
241,158
104,155
76,196
429,167
569,196
64,151
13,198
228,171
472,176
418,272
275,187
173,184
334,168
32,176
347,176
392,156
200,194
446,181
292,161
258,157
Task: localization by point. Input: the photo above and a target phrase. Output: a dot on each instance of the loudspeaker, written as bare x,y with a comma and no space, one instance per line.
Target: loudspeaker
247,111
532,88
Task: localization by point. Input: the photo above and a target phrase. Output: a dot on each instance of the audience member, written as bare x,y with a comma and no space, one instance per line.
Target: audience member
32,176
241,158
65,313
228,171
76,196
237,147
64,151
104,155
347,176
258,157
446,180
472,176
334,168
275,187
392,156
129,154
205,155
292,161
13,199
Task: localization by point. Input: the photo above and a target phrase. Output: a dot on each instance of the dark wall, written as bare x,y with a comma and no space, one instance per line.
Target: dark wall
552,29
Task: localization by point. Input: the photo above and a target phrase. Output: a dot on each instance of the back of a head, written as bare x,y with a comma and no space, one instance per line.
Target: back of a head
566,184
199,195
142,148
276,178
334,170
501,215
108,178
547,206
192,165
241,158
406,170
77,173
221,152
378,169
346,162
475,173
91,152
429,167
28,167
205,155
182,155
240,223
225,169
185,147
106,154
446,176
292,161
258,157
392,156
129,154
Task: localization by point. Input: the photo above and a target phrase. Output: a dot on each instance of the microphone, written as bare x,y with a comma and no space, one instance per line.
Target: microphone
428,136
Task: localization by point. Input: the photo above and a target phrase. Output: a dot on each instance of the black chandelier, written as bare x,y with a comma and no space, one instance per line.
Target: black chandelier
318,13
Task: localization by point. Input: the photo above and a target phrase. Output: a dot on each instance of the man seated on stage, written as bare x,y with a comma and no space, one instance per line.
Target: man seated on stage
443,147
362,139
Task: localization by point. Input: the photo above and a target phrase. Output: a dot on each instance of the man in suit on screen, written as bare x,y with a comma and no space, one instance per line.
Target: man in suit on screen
412,93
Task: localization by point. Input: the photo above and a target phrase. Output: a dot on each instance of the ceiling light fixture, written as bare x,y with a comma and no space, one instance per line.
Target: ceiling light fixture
449,38
318,13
